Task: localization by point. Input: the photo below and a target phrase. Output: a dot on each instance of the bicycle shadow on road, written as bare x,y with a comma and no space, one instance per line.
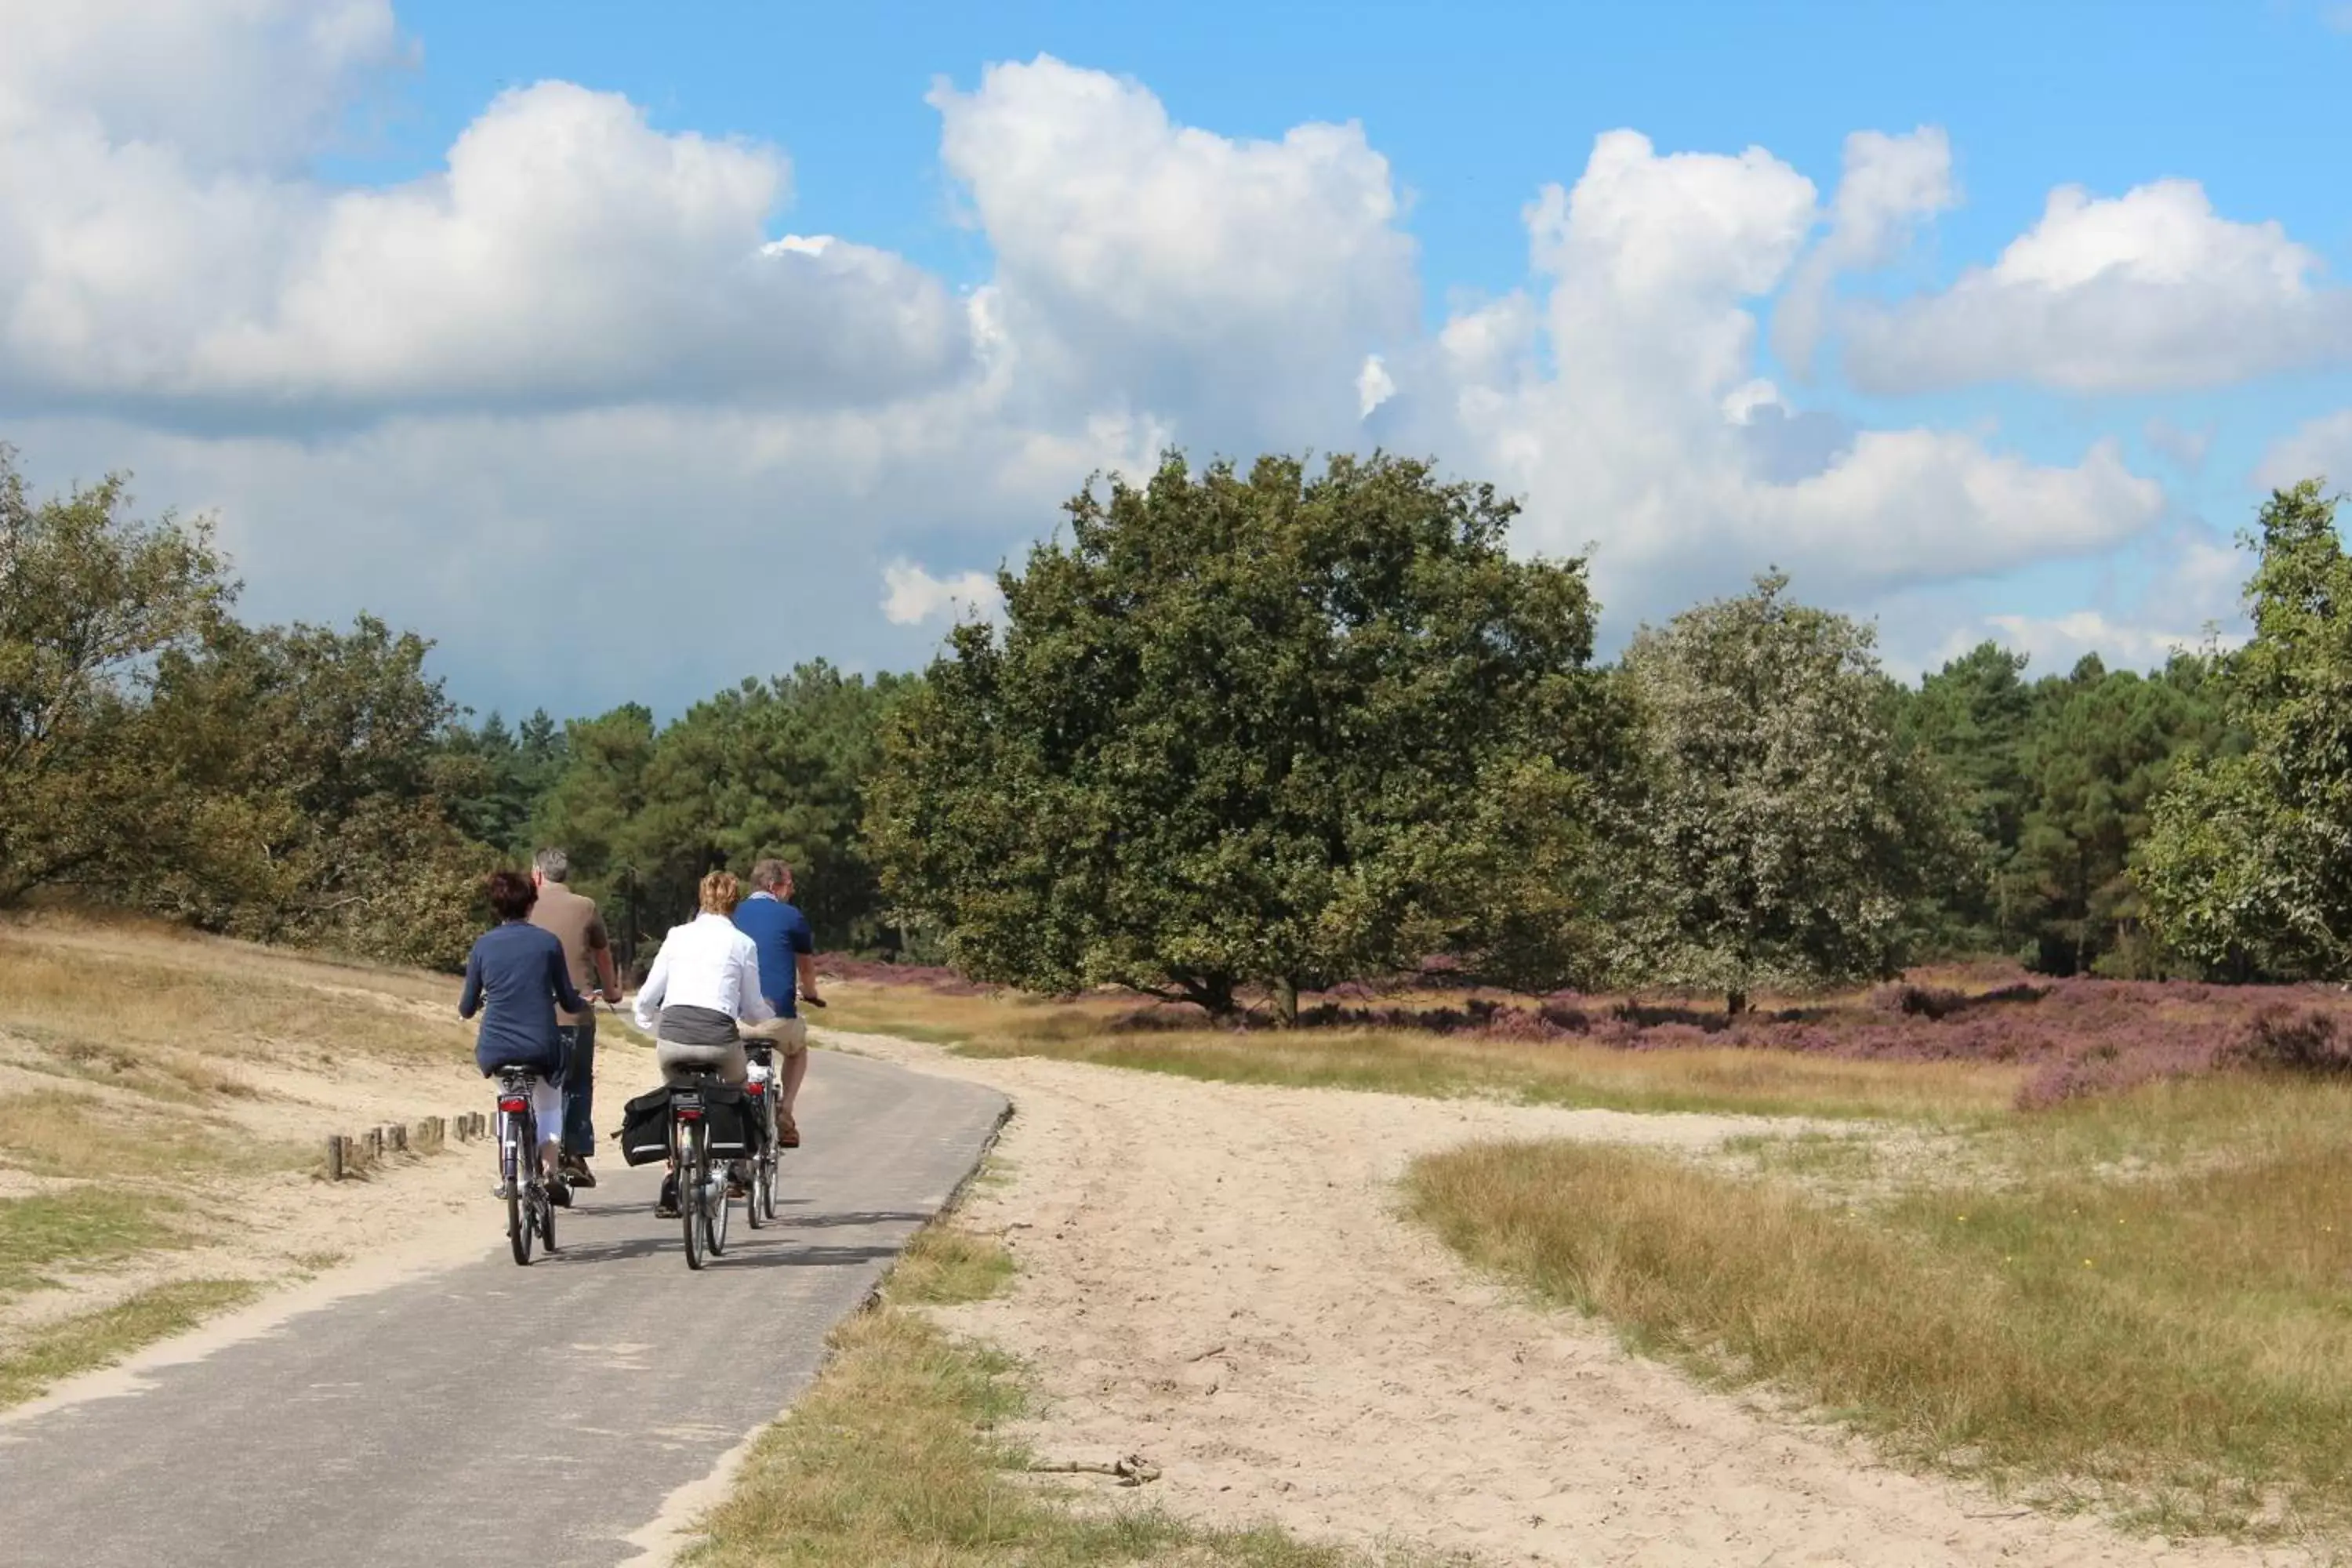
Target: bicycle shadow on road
759,1249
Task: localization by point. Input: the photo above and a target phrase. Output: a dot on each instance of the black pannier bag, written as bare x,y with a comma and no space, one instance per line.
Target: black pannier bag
727,1111
734,1123
644,1127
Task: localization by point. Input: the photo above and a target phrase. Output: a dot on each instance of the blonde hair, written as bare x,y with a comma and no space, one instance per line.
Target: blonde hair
720,893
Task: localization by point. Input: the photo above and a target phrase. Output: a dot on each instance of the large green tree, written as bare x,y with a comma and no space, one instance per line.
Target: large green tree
495,776
310,766
1974,716
778,768
90,598
1782,830
2100,747
2247,868
1278,728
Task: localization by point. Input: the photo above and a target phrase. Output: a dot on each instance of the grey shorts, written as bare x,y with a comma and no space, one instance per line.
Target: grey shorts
676,1061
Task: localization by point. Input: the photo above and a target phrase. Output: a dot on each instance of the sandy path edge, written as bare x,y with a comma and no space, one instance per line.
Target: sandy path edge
1215,1274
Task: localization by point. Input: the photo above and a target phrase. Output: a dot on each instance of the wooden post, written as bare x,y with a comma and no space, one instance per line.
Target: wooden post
396,1138
334,1158
375,1144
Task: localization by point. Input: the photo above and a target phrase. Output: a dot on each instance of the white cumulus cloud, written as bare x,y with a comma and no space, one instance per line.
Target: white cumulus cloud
569,253
2150,290
1655,439
912,596
2319,448
586,349
1143,262
1891,186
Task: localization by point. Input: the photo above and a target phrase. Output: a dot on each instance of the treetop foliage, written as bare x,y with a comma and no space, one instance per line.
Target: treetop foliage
1266,728
1239,733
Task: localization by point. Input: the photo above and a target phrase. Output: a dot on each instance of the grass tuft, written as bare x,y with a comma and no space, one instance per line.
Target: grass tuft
94,1340
944,1266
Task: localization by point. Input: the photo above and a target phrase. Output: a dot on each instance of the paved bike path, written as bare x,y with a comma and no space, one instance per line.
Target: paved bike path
492,1414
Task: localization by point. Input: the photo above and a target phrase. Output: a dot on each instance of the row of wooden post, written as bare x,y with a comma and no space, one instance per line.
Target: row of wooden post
348,1156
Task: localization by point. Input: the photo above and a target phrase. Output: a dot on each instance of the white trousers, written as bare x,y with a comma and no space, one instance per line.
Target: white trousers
546,1109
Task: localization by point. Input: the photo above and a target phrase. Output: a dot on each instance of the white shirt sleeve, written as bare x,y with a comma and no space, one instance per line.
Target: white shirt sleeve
754,1003
649,994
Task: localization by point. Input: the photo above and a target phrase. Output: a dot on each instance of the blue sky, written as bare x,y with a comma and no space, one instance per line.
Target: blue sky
498,407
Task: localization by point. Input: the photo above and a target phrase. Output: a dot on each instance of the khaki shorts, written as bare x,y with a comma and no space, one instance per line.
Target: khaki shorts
789,1034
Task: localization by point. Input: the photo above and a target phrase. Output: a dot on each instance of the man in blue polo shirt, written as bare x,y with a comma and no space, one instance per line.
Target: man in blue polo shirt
787,970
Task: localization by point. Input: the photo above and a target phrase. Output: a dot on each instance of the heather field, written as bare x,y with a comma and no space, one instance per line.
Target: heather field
2085,1242
1971,1037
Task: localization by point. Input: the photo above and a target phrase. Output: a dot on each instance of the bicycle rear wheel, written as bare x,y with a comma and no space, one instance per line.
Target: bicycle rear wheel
766,1197
511,1166
690,1191
714,1212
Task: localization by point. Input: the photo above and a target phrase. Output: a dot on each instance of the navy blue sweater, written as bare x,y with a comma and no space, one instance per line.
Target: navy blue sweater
516,974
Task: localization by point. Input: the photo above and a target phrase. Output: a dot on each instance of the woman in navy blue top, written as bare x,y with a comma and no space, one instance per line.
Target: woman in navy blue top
515,977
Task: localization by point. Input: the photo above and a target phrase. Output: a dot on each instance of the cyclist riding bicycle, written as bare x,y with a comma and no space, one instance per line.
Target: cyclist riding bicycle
515,977
703,992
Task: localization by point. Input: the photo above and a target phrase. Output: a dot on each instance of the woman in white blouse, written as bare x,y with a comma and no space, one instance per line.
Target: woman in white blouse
705,983
704,988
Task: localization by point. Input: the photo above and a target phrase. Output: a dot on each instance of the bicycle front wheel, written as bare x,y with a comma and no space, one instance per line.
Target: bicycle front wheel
758,1162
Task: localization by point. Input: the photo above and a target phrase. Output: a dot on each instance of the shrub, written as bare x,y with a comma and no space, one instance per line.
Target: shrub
2287,1039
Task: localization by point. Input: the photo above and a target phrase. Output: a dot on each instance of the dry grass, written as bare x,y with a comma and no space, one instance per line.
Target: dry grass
898,1454
93,1007
50,1234
2139,1302
1408,1062
94,1340
57,1133
149,1083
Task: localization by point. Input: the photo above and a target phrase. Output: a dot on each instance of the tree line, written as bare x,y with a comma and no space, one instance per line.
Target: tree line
1237,734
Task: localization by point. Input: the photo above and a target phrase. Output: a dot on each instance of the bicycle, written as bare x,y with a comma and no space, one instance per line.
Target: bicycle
702,1189
530,1210
759,1192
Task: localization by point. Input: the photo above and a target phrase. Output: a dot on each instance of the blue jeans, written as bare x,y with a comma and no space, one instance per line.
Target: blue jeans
579,1086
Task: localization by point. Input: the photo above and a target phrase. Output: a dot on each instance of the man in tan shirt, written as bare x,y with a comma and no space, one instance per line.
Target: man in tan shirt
577,925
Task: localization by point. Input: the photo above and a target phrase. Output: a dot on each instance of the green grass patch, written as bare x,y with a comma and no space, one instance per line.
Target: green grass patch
77,1231
2167,1335
944,1266
76,1345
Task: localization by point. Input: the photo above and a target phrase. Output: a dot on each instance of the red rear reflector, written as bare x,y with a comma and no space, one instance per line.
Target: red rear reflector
689,1115
755,1087
512,1106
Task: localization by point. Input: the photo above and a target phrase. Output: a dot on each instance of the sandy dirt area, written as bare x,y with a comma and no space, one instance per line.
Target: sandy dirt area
274,1225
1215,1274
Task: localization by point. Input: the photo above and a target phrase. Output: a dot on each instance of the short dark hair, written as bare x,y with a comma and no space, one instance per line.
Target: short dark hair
511,894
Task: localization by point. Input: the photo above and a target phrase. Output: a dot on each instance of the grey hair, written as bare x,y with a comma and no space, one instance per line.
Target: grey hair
770,875
553,864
